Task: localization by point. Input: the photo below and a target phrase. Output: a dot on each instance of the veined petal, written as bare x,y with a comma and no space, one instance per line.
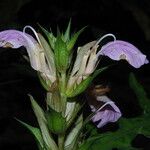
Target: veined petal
108,112
16,39
118,50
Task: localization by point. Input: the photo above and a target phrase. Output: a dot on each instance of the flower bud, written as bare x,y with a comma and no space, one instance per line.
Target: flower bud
61,55
56,122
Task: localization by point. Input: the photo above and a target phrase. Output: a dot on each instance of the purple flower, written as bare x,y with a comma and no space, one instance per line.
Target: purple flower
118,50
35,48
108,112
88,58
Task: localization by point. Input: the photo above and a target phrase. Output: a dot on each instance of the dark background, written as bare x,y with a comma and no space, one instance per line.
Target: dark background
129,20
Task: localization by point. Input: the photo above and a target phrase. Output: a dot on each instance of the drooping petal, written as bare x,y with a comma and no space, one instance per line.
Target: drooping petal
118,50
109,112
16,39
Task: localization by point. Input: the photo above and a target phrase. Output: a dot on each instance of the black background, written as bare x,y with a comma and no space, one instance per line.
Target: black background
129,20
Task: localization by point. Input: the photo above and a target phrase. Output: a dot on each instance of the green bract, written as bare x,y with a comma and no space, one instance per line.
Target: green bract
84,84
56,122
65,73
62,46
61,55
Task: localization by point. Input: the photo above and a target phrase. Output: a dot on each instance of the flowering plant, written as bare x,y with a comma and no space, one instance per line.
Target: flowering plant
66,74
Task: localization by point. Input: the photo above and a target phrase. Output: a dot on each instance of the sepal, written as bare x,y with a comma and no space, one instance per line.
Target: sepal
84,84
56,122
61,54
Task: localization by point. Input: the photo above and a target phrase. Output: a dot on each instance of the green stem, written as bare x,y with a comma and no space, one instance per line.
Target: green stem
61,138
62,90
63,81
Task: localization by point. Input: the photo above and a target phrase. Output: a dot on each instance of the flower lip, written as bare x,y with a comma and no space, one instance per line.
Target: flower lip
118,50
108,112
15,39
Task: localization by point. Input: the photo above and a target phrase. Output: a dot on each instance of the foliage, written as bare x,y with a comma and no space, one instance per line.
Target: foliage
128,127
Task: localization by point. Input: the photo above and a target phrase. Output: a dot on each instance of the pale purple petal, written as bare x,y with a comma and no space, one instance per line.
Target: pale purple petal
109,113
16,39
118,50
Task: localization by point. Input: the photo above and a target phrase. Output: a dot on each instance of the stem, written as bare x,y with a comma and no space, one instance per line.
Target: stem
63,89
61,139
63,81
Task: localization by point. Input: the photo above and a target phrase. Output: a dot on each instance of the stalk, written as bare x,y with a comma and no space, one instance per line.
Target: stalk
61,139
62,92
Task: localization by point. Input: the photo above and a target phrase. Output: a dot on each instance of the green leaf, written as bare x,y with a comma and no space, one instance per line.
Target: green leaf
39,113
144,101
84,84
73,136
128,127
67,32
50,36
36,132
43,82
73,39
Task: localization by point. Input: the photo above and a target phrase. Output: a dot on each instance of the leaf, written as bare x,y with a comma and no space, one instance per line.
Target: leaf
128,127
72,137
73,39
43,82
141,95
67,32
48,54
84,84
39,113
35,131
50,36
